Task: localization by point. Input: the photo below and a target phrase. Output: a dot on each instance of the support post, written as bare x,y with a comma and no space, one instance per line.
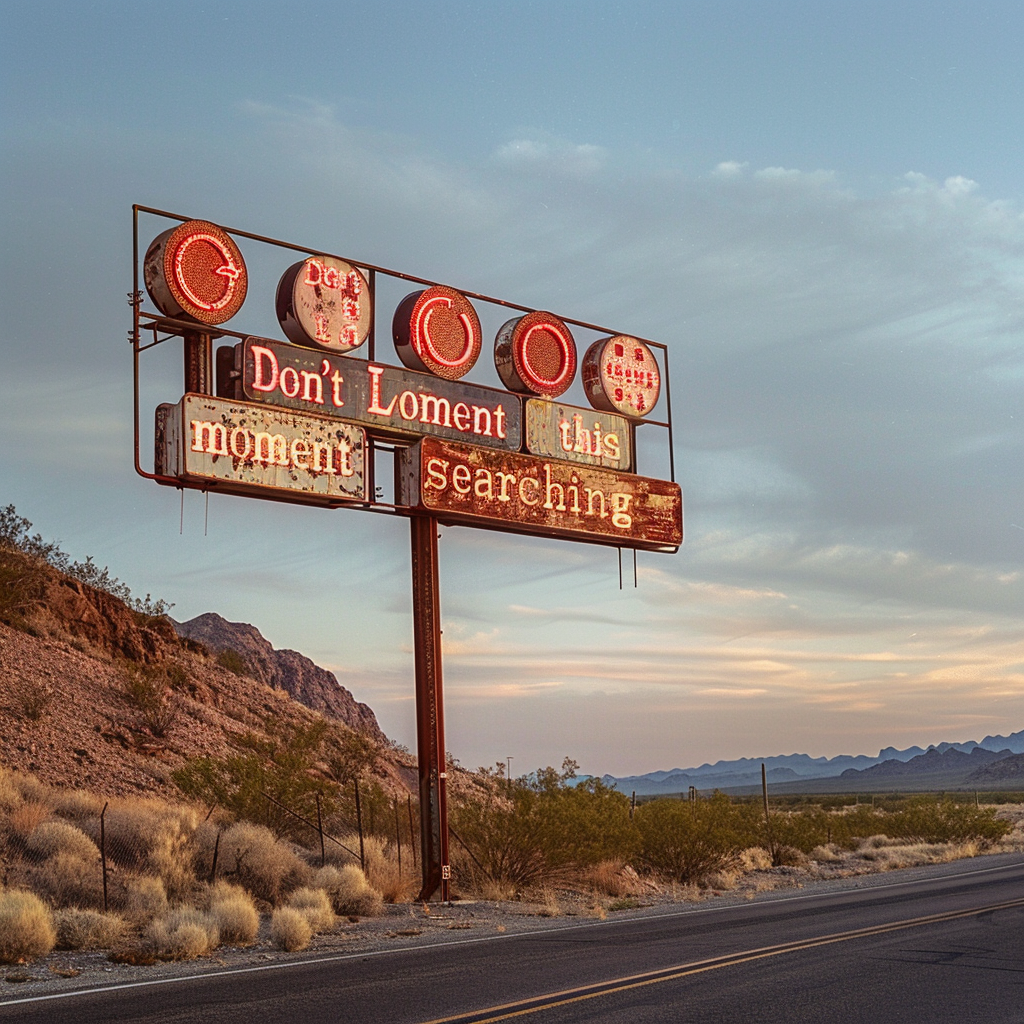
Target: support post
198,363
426,617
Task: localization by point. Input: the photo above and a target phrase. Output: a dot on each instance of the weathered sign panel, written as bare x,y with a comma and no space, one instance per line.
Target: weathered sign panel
391,402
243,448
578,435
475,486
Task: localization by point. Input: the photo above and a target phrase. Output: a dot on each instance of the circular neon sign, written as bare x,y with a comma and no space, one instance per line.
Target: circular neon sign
196,271
535,354
437,330
620,374
324,302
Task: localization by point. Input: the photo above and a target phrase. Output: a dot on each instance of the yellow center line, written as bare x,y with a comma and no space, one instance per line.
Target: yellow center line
565,997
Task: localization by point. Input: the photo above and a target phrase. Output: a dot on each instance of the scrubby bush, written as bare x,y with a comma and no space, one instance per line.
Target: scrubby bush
290,929
316,905
348,890
382,871
686,842
67,880
947,822
87,929
26,927
234,913
184,933
53,837
145,898
260,862
529,832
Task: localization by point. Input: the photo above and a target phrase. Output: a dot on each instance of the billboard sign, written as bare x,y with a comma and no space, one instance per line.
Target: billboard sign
468,485
391,402
242,448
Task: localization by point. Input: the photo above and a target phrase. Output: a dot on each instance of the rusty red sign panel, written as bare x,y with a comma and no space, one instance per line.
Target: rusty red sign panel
475,486
241,448
390,402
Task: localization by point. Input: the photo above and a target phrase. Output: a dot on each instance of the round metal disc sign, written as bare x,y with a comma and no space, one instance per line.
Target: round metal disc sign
437,330
196,271
620,374
324,302
535,354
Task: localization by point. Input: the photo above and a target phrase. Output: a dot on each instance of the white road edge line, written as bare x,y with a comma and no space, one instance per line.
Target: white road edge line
123,986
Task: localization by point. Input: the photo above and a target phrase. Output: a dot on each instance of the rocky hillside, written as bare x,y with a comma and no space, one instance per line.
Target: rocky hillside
96,695
285,670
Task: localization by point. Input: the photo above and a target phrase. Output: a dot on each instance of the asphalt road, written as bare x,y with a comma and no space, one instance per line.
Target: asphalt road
945,947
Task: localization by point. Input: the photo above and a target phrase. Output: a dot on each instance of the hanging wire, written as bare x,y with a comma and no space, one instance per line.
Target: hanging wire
620,567
181,521
206,526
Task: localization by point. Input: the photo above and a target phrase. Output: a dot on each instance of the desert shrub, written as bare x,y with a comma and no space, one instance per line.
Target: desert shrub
348,890
153,837
382,872
316,905
32,700
77,804
754,858
613,878
67,880
26,927
290,929
87,929
27,817
147,689
53,837
944,821
145,898
231,660
827,854
184,933
260,862
234,913
534,831
283,763
32,790
686,842
10,795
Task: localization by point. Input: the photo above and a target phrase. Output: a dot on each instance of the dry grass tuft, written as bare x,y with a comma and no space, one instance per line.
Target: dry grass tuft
613,878
54,837
184,934
87,929
26,927
290,929
77,804
234,913
67,880
754,858
830,854
348,890
316,905
145,898
25,818
261,862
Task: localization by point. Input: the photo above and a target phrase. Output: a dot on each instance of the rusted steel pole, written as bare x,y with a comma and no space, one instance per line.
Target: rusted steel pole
198,363
426,617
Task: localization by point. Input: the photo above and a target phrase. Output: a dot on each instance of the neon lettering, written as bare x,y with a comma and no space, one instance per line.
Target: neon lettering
375,407
535,500
271,449
461,416
247,448
439,405
336,381
406,411
550,488
289,382
482,420
299,451
461,478
266,369
312,387
436,469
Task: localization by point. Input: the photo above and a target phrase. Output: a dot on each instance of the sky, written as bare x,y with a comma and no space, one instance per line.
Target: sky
819,208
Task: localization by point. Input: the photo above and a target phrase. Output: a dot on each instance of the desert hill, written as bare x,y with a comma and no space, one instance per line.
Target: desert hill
285,670
97,695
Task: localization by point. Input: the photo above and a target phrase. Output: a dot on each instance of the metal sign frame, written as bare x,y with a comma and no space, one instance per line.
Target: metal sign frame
198,339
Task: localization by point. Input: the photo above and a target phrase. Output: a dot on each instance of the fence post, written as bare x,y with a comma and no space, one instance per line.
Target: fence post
632,806
320,829
103,851
412,832
216,850
398,838
359,825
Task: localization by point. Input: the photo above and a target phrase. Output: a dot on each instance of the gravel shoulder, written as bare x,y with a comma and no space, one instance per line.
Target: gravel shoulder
419,926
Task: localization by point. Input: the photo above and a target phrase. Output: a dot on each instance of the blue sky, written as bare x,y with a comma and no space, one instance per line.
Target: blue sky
818,207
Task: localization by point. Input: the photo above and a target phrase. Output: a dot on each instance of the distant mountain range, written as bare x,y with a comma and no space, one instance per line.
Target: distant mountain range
970,764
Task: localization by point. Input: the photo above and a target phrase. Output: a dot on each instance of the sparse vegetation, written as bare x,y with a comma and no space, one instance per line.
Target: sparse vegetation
26,927
290,929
